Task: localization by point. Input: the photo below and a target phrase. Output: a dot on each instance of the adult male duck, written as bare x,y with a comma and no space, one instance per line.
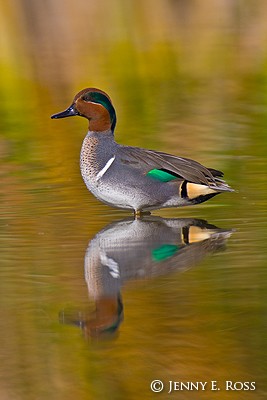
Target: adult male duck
131,177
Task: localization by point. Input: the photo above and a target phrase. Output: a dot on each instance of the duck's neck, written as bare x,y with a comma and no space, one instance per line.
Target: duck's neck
99,143
101,135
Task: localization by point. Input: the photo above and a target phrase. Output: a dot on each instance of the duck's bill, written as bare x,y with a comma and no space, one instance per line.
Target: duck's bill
70,112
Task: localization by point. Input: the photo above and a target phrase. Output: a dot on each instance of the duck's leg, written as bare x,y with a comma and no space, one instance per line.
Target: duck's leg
139,214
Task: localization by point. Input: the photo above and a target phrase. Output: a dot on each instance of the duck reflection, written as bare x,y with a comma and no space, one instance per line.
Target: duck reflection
134,249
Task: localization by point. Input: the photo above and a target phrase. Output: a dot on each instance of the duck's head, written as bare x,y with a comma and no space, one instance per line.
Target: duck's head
96,106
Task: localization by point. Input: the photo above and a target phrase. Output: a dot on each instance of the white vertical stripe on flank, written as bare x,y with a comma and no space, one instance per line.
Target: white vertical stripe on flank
105,168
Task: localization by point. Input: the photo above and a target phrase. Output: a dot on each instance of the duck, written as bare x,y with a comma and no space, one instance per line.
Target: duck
133,178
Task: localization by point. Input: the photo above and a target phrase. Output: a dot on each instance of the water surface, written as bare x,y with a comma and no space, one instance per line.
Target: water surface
96,305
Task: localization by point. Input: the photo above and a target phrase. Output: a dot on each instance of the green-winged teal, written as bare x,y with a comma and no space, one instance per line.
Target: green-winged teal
131,177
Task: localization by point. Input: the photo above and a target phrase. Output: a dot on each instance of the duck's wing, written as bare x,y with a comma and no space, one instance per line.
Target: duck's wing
159,165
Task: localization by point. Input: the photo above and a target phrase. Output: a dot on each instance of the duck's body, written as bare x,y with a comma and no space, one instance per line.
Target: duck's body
131,177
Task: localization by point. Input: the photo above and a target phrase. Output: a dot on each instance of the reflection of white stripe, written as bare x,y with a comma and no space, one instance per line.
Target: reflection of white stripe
112,265
106,167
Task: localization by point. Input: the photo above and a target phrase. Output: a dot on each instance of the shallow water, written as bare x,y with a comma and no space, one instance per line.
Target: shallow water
186,298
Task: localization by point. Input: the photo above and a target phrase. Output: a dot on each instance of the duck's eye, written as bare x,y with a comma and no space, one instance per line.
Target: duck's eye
87,97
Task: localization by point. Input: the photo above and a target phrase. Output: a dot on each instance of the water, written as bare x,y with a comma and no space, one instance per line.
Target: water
185,299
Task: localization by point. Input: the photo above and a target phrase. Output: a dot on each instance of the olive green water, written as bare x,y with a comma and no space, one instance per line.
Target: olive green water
184,301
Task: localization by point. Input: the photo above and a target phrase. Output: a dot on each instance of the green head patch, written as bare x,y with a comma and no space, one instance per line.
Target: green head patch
101,98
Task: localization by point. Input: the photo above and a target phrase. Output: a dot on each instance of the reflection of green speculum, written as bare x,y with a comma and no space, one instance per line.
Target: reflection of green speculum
165,251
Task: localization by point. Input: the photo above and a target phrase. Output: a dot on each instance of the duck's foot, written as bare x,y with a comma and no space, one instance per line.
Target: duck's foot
140,214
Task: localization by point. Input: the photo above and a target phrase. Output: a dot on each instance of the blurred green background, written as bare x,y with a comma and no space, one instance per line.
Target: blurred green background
187,77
